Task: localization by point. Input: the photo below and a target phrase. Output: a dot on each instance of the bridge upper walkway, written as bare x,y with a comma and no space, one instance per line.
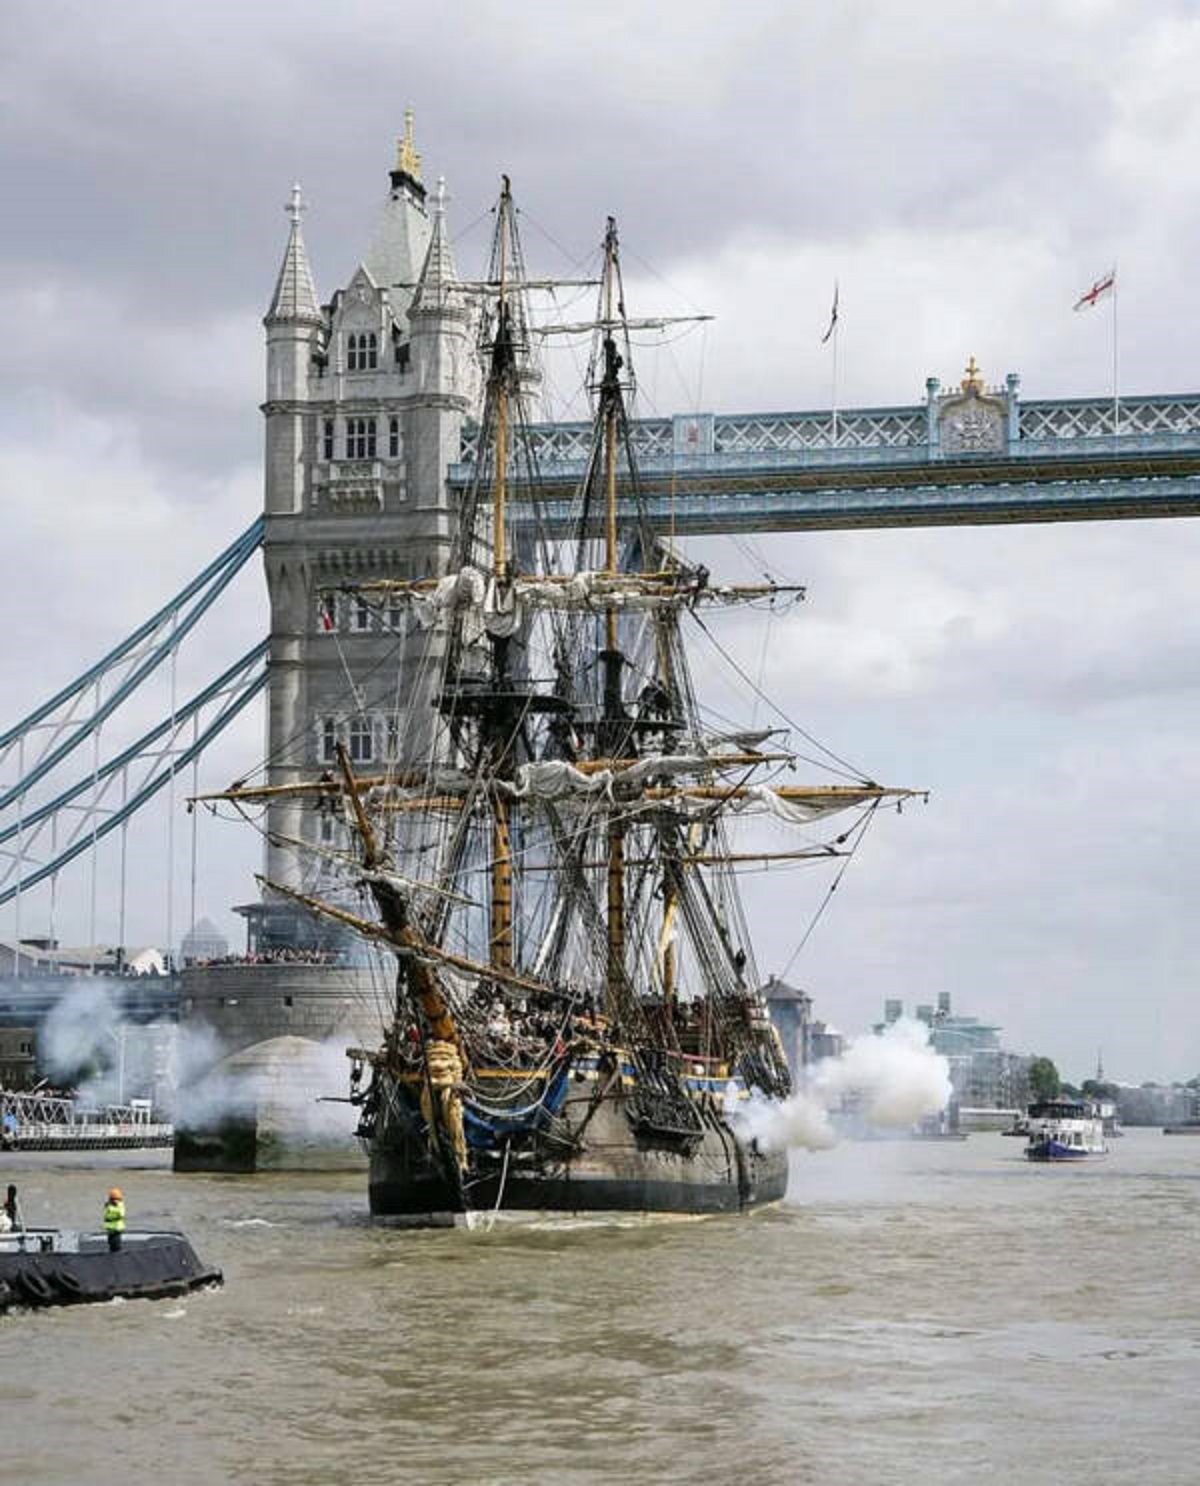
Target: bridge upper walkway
970,455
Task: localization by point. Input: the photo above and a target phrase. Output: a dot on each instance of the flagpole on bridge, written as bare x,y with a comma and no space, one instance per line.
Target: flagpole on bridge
1115,364
1086,301
832,333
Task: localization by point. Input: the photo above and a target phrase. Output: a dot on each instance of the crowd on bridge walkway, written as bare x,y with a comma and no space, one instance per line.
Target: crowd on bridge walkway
283,955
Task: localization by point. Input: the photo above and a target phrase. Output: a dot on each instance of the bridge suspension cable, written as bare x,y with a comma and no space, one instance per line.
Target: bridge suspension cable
251,678
135,750
75,815
162,634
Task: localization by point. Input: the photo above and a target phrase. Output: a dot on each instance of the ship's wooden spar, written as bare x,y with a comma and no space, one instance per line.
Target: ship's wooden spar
330,788
393,909
690,859
825,798
412,947
572,591
384,874
706,859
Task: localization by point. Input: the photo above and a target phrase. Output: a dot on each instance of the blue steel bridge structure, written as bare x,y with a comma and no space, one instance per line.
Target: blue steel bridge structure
969,456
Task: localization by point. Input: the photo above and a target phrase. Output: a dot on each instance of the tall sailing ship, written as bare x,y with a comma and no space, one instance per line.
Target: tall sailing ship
550,855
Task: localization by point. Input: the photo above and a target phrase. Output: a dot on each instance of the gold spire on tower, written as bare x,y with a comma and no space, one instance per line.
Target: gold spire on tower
408,161
973,381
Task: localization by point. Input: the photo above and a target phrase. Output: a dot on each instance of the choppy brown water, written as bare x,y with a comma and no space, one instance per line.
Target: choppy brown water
916,1313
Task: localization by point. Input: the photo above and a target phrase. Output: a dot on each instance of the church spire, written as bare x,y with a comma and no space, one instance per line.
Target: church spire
295,297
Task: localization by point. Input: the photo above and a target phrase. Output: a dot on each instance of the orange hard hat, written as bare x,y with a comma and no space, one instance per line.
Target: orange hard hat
115,1195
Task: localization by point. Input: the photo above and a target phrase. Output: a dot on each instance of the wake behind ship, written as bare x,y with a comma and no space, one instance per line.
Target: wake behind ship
550,851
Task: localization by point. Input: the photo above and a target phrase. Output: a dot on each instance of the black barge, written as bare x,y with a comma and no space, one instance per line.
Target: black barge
51,1266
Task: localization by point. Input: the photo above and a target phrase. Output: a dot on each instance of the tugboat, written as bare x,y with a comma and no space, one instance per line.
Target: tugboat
54,1266
1064,1130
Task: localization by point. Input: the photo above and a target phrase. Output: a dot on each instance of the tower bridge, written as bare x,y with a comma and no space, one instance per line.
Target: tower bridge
972,455
368,449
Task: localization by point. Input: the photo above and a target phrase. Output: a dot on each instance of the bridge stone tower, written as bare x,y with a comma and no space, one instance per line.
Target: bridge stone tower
366,397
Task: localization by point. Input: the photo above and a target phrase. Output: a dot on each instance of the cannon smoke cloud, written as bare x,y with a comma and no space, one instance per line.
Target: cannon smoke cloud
896,1079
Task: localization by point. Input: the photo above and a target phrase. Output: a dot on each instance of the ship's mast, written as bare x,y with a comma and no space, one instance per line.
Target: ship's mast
613,734
500,384
668,956
503,369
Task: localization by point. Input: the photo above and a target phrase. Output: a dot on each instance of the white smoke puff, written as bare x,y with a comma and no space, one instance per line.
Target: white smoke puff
897,1074
294,1081
80,1033
195,1050
796,1123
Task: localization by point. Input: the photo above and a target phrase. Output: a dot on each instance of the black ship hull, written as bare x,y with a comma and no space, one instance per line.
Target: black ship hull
595,1155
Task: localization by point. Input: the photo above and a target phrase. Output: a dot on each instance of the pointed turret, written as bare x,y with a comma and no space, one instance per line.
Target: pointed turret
440,322
401,238
295,297
294,330
439,277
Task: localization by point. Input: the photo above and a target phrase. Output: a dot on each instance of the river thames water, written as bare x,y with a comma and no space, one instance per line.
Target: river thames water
914,1313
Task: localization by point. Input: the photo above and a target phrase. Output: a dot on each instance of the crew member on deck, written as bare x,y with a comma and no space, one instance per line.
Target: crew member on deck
12,1209
114,1218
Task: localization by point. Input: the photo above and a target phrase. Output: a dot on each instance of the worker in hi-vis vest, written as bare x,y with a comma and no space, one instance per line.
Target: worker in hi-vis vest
114,1218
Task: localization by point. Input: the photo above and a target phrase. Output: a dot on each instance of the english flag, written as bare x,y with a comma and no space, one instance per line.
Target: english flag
1099,289
833,314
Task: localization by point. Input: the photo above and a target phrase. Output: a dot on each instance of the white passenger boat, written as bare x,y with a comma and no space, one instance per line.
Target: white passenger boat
1064,1130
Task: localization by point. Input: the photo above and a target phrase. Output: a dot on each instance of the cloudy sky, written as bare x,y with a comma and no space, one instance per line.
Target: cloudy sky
963,173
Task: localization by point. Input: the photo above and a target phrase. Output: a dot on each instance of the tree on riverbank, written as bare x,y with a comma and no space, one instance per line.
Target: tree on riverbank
1044,1082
